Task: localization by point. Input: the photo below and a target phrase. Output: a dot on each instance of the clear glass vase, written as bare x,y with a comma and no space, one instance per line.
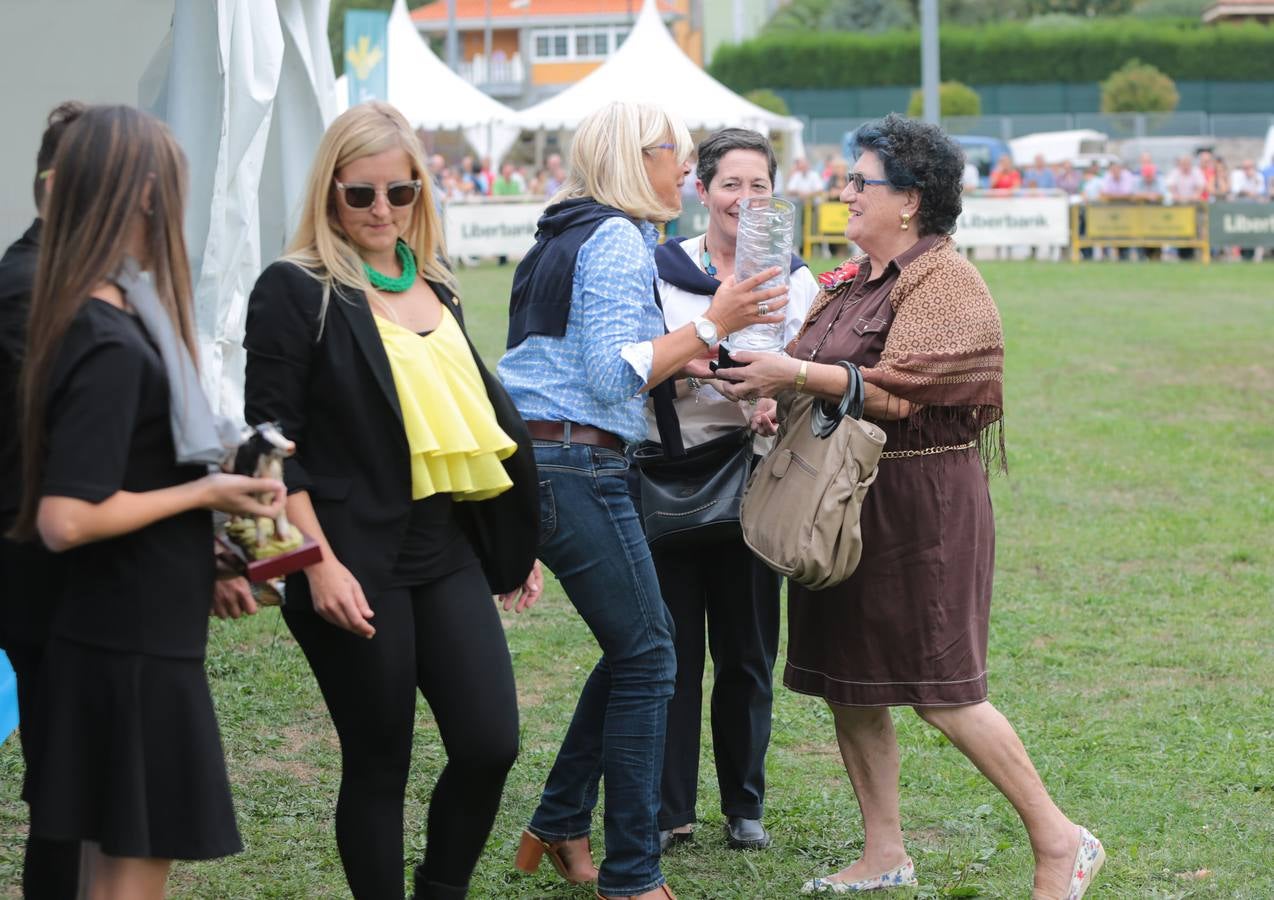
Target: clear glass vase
766,235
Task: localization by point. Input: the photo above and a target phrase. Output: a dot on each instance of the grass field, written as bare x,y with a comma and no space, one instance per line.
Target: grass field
1132,641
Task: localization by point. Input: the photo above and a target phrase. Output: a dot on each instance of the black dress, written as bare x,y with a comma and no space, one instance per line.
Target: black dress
128,751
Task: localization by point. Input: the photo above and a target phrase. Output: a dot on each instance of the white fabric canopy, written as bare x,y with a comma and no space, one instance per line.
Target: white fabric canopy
247,88
432,96
651,68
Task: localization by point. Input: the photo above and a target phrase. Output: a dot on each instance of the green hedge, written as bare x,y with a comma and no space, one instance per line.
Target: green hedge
1007,53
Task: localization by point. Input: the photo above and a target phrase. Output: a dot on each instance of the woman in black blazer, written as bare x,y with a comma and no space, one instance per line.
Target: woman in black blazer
415,475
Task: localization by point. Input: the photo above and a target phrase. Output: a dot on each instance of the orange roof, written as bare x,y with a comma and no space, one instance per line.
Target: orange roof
513,13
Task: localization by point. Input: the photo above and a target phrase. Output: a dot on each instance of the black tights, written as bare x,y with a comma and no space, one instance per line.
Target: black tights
51,869
444,638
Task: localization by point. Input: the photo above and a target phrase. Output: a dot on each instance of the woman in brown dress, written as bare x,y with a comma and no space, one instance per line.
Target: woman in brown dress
909,627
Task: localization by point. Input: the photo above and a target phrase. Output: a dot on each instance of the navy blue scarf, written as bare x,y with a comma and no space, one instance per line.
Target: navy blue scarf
541,297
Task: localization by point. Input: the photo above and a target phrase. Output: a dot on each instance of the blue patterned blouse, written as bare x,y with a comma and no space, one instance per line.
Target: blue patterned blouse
592,374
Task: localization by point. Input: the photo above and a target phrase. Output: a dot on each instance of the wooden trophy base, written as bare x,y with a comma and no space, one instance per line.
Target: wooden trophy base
271,567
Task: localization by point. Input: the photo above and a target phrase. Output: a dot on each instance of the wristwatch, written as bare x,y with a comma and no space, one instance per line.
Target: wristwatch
705,330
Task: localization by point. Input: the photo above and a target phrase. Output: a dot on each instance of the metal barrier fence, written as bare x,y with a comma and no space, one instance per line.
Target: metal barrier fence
1118,126
1134,224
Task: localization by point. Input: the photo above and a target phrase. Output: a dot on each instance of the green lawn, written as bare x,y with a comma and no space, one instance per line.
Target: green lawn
1132,643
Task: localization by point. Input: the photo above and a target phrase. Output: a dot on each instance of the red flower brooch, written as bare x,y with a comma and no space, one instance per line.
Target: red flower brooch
842,274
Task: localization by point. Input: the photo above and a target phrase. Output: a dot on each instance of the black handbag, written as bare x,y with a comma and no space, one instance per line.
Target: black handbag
694,498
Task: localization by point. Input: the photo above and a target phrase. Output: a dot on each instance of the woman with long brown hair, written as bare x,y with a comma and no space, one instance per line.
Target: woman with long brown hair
127,755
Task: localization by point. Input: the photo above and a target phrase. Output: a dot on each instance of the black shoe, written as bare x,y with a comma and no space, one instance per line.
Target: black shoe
745,834
670,837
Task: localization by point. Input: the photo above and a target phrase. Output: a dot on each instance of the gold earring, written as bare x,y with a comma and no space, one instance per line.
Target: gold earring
906,217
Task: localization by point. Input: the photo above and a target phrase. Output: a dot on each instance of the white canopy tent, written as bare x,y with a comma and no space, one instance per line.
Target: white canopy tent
248,89
650,67
432,96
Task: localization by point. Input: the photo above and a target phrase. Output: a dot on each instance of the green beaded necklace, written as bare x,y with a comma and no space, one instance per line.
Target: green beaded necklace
404,281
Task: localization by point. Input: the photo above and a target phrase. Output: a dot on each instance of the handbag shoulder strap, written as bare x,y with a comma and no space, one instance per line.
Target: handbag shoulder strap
663,396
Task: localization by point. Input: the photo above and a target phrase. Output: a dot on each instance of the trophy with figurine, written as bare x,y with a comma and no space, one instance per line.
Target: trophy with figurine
260,548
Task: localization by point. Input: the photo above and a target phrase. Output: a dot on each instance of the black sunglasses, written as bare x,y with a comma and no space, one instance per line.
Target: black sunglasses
397,193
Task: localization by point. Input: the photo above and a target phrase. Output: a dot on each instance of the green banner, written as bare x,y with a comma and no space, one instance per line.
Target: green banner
1241,224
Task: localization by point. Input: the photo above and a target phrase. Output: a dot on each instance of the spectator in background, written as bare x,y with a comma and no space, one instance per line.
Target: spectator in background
1149,186
1069,179
437,166
1039,175
535,187
837,180
970,180
1221,181
1005,177
1248,184
1090,192
478,186
1207,166
1186,184
829,166
556,176
506,183
453,188
488,173
1118,183
1149,189
802,182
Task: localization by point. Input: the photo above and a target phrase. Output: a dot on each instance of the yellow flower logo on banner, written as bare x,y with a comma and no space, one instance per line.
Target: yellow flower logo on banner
364,57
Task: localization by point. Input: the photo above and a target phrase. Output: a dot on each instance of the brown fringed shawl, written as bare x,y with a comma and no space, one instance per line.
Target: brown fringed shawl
945,349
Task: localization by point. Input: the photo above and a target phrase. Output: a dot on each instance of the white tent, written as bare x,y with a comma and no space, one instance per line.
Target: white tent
247,88
432,96
650,67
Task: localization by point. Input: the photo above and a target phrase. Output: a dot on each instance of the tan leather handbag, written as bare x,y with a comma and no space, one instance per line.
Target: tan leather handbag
800,511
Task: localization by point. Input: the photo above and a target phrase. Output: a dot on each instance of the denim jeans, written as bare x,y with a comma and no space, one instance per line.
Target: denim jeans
591,537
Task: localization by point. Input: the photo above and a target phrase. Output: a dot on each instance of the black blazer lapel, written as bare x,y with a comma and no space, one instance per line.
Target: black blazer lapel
358,313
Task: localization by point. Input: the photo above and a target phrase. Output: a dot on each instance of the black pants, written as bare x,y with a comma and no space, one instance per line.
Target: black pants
739,599
445,639
50,869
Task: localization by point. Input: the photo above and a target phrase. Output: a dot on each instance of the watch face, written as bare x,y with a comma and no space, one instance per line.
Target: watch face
706,330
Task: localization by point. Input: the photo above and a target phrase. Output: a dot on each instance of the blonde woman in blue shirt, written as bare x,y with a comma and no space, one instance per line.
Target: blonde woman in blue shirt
586,342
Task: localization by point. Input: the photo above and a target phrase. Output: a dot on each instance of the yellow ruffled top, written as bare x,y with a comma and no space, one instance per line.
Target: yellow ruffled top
455,441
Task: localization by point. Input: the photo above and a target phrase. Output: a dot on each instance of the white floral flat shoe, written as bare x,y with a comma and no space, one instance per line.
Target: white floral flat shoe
903,876
1088,862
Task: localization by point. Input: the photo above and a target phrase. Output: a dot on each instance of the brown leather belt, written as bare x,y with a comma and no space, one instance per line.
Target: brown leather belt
571,433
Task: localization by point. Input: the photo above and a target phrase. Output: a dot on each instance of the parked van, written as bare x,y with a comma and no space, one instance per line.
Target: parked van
1079,146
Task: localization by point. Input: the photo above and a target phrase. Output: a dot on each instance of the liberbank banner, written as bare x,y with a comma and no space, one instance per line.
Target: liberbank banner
1014,221
1241,224
491,229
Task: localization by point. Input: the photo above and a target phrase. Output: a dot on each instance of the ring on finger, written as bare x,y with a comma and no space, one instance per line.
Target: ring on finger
763,308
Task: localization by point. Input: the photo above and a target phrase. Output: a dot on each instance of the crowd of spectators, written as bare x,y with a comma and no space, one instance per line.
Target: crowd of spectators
474,179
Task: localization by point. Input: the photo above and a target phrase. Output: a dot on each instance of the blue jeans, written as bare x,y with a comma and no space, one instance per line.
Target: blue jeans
591,537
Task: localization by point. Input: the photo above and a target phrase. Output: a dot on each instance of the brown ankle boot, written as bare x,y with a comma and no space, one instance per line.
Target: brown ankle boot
573,859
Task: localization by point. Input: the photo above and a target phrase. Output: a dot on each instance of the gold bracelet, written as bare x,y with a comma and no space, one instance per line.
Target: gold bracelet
801,376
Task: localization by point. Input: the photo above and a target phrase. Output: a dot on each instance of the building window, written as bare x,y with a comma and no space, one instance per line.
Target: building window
569,43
